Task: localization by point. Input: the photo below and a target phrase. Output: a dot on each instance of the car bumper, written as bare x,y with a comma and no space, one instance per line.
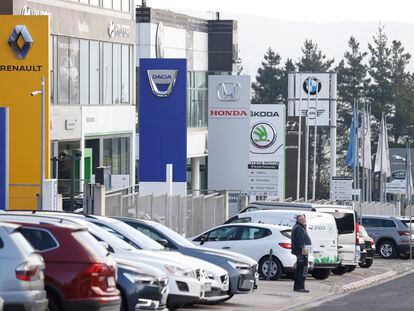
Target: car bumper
150,297
404,248
98,304
186,287
32,300
247,281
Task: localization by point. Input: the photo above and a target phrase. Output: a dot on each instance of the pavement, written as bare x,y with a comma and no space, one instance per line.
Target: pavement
272,295
392,295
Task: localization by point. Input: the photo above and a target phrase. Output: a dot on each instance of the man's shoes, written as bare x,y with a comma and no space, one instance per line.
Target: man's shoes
301,290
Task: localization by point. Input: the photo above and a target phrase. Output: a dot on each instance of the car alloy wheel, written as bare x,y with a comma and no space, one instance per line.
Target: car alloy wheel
387,250
274,269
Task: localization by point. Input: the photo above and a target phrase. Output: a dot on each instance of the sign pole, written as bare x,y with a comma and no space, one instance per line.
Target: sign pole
42,141
314,144
307,145
299,141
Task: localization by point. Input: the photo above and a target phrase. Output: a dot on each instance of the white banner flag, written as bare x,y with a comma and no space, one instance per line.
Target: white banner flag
382,159
365,155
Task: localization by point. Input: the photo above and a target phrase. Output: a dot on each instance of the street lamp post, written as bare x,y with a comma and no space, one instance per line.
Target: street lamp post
42,136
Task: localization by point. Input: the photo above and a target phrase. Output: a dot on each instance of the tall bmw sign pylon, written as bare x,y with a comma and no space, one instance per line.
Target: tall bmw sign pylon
4,157
162,126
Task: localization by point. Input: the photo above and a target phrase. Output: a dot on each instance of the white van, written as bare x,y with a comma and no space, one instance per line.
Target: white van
346,223
321,229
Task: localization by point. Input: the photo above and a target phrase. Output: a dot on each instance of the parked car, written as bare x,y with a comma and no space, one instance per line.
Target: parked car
369,248
22,272
391,235
346,223
321,228
79,274
242,270
186,284
255,241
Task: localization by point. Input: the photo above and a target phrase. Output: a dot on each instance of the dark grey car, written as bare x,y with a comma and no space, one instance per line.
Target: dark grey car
391,235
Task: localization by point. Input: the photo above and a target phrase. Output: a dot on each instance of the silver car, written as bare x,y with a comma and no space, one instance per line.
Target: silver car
22,276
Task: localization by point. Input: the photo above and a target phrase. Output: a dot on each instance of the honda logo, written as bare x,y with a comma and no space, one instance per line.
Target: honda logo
164,78
228,91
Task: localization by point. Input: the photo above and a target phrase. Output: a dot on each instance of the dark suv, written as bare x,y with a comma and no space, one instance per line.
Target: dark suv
391,235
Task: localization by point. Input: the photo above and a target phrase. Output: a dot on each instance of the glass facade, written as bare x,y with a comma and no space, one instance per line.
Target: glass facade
116,155
117,5
197,99
87,72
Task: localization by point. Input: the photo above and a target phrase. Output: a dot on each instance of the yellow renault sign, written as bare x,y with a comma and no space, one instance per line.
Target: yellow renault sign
24,59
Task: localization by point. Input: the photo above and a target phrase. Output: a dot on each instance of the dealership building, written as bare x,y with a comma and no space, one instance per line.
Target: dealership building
210,47
92,85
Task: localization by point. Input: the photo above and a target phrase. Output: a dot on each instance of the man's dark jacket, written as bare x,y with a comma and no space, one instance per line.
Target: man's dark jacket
300,238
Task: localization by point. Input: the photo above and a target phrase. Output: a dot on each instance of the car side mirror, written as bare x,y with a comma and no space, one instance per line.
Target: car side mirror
163,242
105,245
203,239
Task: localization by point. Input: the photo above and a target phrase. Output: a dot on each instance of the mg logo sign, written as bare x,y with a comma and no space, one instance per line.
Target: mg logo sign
228,91
162,81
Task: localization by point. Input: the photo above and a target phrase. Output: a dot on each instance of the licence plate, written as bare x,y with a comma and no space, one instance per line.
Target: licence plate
111,281
208,287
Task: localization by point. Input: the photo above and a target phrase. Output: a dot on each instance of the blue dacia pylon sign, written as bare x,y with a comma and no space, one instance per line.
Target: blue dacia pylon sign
4,161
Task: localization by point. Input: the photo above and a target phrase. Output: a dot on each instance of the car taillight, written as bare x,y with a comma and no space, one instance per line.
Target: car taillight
285,245
404,233
26,272
372,242
102,277
357,234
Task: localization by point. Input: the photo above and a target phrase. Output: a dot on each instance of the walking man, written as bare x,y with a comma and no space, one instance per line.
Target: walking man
301,244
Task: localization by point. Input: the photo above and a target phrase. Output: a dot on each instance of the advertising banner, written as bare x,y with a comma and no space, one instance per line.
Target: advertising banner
162,125
292,136
24,50
397,182
311,92
228,130
4,158
267,150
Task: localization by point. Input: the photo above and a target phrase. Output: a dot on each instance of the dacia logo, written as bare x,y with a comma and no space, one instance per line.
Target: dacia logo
162,81
20,41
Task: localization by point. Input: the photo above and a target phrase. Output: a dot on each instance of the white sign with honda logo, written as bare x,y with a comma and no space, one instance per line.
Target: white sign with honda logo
267,150
311,93
228,128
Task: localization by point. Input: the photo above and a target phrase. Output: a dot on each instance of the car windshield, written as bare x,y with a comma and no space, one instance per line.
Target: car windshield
137,237
406,222
178,238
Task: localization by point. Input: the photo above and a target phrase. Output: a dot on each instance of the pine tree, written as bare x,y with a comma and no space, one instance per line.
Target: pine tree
269,86
313,59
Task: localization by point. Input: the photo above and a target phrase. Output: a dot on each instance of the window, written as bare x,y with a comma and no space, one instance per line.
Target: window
252,233
223,234
344,222
107,73
125,5
125,60
90,243
1,243
116,154
197,99
107,4
116,5
371,222
388,223
94,60
63,69
84,72
21,241
117,74
238,220
41,240
94,2
73,71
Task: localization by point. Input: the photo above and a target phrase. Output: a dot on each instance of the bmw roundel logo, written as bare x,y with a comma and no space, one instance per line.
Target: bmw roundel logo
312,86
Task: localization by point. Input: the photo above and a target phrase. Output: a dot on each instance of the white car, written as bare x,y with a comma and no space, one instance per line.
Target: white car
187,281
255,241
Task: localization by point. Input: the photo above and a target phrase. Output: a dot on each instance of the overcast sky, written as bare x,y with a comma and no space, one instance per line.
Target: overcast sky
302,10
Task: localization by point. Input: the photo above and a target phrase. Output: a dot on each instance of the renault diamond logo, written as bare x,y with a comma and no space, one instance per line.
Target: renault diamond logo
262,135
228,91
162,81
20,41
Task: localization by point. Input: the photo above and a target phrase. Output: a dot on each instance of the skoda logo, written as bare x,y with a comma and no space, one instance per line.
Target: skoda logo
262,135
162,81
111,29
312,86
20,41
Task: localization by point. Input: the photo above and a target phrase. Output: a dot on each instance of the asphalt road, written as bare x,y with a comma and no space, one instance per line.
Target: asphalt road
393,295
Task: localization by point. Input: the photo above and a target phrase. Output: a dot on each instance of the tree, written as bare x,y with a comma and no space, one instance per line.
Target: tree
269,86
313,59
289,67
352,84
380,89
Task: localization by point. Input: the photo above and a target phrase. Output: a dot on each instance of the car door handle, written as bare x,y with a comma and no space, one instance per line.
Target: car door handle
339,247
226,247
322,245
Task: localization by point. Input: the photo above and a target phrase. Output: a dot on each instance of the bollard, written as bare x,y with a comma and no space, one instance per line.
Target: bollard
269,266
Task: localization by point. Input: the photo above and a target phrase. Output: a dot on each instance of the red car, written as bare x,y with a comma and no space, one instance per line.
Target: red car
79,275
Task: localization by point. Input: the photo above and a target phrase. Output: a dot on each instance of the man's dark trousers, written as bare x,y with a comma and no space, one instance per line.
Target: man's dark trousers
300,275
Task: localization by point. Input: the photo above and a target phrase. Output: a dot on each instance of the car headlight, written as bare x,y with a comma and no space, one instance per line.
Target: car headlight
175,270
140,278
239,265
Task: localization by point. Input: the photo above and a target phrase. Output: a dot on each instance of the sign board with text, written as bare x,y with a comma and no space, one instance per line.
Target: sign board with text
341,188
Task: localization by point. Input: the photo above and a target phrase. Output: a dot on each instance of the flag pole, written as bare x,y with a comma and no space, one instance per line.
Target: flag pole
381,159
370,166
356,154
307,145
363,152
314,143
